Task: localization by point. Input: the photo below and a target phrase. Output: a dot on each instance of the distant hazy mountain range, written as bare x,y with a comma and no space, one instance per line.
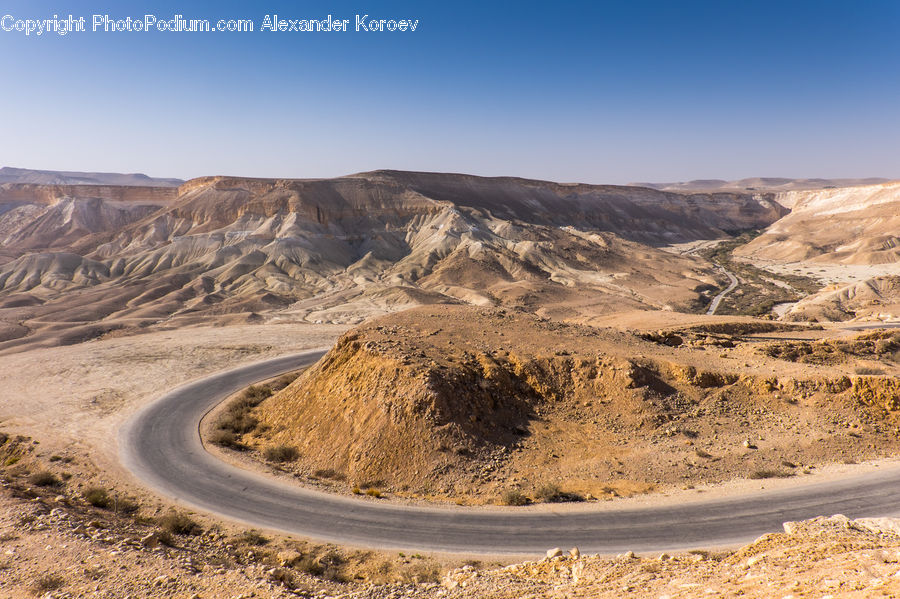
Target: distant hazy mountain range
23,175
760,183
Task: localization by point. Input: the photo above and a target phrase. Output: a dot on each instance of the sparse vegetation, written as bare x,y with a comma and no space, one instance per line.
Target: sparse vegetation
44,478
328,566
874,346
551,493
225,438
46,583
284,577
237,422
310,565
102,498
179,523
237,418
868,370
514,497
251,537
373,492
165,538
329,473
281,453
97,497
283,381
759,289
770,473
124,505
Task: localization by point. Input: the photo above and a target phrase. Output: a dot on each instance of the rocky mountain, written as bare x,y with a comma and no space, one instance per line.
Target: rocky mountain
9,174
853,225
340,250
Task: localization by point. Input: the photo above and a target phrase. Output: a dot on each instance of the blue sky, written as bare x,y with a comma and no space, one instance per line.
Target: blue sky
600,92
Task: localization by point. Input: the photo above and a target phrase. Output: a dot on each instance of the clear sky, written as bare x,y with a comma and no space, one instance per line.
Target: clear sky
600,92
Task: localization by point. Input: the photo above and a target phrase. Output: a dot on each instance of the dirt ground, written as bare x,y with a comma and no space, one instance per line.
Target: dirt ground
75,398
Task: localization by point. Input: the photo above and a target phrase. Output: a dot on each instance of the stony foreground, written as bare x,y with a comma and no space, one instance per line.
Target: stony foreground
822,557
53,546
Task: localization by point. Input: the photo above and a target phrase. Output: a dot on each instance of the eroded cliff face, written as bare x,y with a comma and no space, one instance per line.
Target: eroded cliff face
873,299
462,402
854,225
62,217
342,250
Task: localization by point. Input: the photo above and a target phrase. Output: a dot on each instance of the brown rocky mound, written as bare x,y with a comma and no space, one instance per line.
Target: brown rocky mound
472,403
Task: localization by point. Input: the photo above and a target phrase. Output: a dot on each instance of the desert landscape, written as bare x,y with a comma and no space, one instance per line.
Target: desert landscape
494,345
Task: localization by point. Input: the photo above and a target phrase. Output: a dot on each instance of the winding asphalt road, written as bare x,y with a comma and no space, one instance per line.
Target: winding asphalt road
714,304
161,445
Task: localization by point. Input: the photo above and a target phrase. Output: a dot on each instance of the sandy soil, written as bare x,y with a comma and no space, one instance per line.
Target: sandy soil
828,274
76,397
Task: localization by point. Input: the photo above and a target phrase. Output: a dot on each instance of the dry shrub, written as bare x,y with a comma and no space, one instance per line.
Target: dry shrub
329,566
97,497
329,473
179,523
225,438
281,453
551,493
767,473
868,370
238,423
46,583
44,478
251,537
514,497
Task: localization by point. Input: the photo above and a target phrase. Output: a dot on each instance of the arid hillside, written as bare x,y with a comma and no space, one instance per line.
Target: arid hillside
468,404
853,225
84,260
877,298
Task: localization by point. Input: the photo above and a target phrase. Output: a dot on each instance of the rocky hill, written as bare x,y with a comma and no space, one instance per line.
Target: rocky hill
877,298
854,225
467,404
340,250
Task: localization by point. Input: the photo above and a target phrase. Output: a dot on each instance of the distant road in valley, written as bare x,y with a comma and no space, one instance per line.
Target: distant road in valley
714,304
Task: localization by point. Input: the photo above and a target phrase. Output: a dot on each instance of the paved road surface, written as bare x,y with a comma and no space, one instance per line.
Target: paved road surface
714,304
161,445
